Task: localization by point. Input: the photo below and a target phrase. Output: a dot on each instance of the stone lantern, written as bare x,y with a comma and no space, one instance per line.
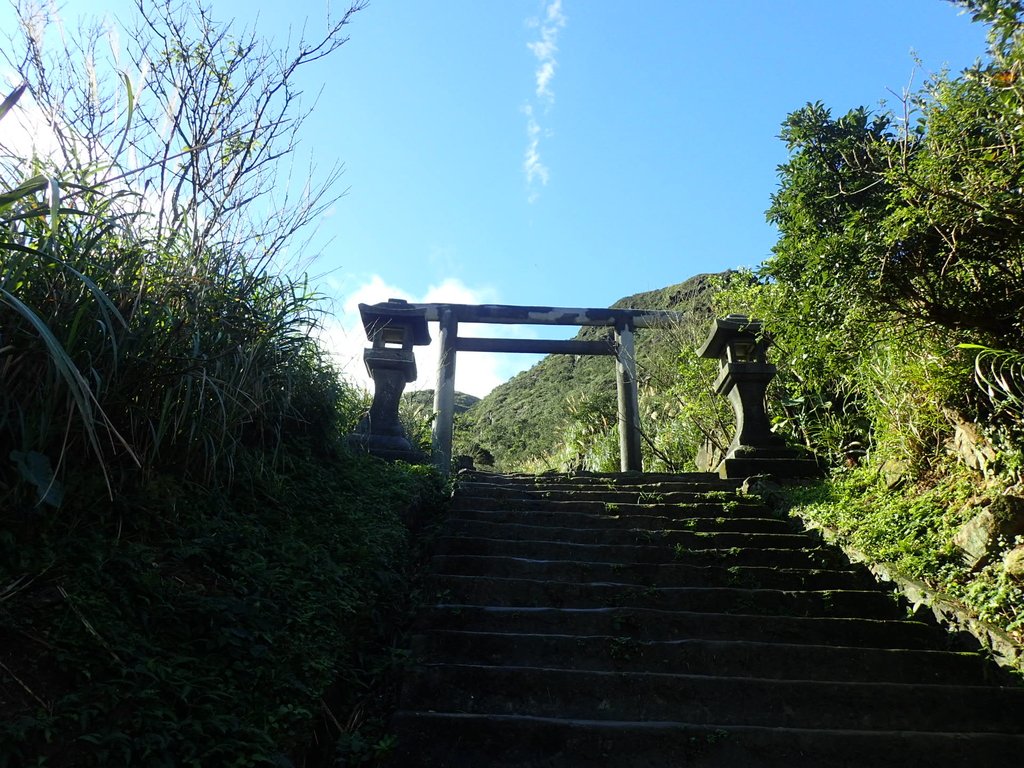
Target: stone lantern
744,374
393,328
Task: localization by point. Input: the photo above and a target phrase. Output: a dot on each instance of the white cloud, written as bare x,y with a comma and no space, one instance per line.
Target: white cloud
476,373
535,169
555,15
545,73
544,50
25,131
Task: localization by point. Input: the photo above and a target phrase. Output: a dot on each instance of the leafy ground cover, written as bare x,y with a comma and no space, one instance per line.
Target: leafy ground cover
188,626
912,529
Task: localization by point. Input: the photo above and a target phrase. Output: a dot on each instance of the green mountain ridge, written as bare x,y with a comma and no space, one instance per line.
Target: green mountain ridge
421,402
522,419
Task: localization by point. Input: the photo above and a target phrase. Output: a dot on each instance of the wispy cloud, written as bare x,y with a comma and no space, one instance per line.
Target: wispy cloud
536,171
544,50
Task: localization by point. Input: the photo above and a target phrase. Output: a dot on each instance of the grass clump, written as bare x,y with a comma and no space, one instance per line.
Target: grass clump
193,570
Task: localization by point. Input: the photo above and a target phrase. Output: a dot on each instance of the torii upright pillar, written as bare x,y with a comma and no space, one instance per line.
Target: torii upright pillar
629,402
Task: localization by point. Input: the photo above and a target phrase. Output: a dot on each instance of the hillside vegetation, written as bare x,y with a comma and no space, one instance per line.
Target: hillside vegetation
569,401
193,570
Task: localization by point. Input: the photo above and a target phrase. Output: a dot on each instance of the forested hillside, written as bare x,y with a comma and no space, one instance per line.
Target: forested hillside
524,419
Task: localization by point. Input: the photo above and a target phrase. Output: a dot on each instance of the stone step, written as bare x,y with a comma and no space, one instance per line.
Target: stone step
725,658
654,624
495,591
699,506
684,537
639,495
692,522
457,740
653,574
702,699
598,479
787,557
713,489
599,620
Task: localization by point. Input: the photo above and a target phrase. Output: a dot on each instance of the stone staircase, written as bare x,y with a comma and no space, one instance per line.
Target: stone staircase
664,620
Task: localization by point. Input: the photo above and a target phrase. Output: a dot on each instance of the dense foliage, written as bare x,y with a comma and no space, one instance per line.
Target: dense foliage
193,570
181,625
894,291
900,243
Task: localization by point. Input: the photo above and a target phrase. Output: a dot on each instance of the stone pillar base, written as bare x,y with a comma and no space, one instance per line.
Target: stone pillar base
780,467
389,447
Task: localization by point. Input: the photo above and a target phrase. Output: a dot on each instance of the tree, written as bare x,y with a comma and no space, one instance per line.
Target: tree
901,236
198,121
920,215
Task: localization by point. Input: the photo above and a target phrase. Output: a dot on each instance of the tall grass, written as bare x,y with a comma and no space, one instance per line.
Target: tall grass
1000,374
142,324
124,356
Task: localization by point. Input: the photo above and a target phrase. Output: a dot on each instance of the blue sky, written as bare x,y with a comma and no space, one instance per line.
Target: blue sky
572,152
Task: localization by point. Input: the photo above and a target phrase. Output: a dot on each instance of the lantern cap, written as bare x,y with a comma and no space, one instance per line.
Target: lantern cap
398,315
729,328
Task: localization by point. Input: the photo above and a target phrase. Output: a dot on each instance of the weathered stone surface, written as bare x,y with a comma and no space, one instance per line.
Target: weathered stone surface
1009,510
995,526
1013,562
463,463
969,445
709,456
759,485
895,473
975,538
782,468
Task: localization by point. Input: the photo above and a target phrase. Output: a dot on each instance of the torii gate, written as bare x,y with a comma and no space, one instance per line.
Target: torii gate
395,327
622,346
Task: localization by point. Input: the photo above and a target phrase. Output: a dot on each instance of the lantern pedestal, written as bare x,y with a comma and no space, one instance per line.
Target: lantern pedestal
380,431
743,379
394,328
